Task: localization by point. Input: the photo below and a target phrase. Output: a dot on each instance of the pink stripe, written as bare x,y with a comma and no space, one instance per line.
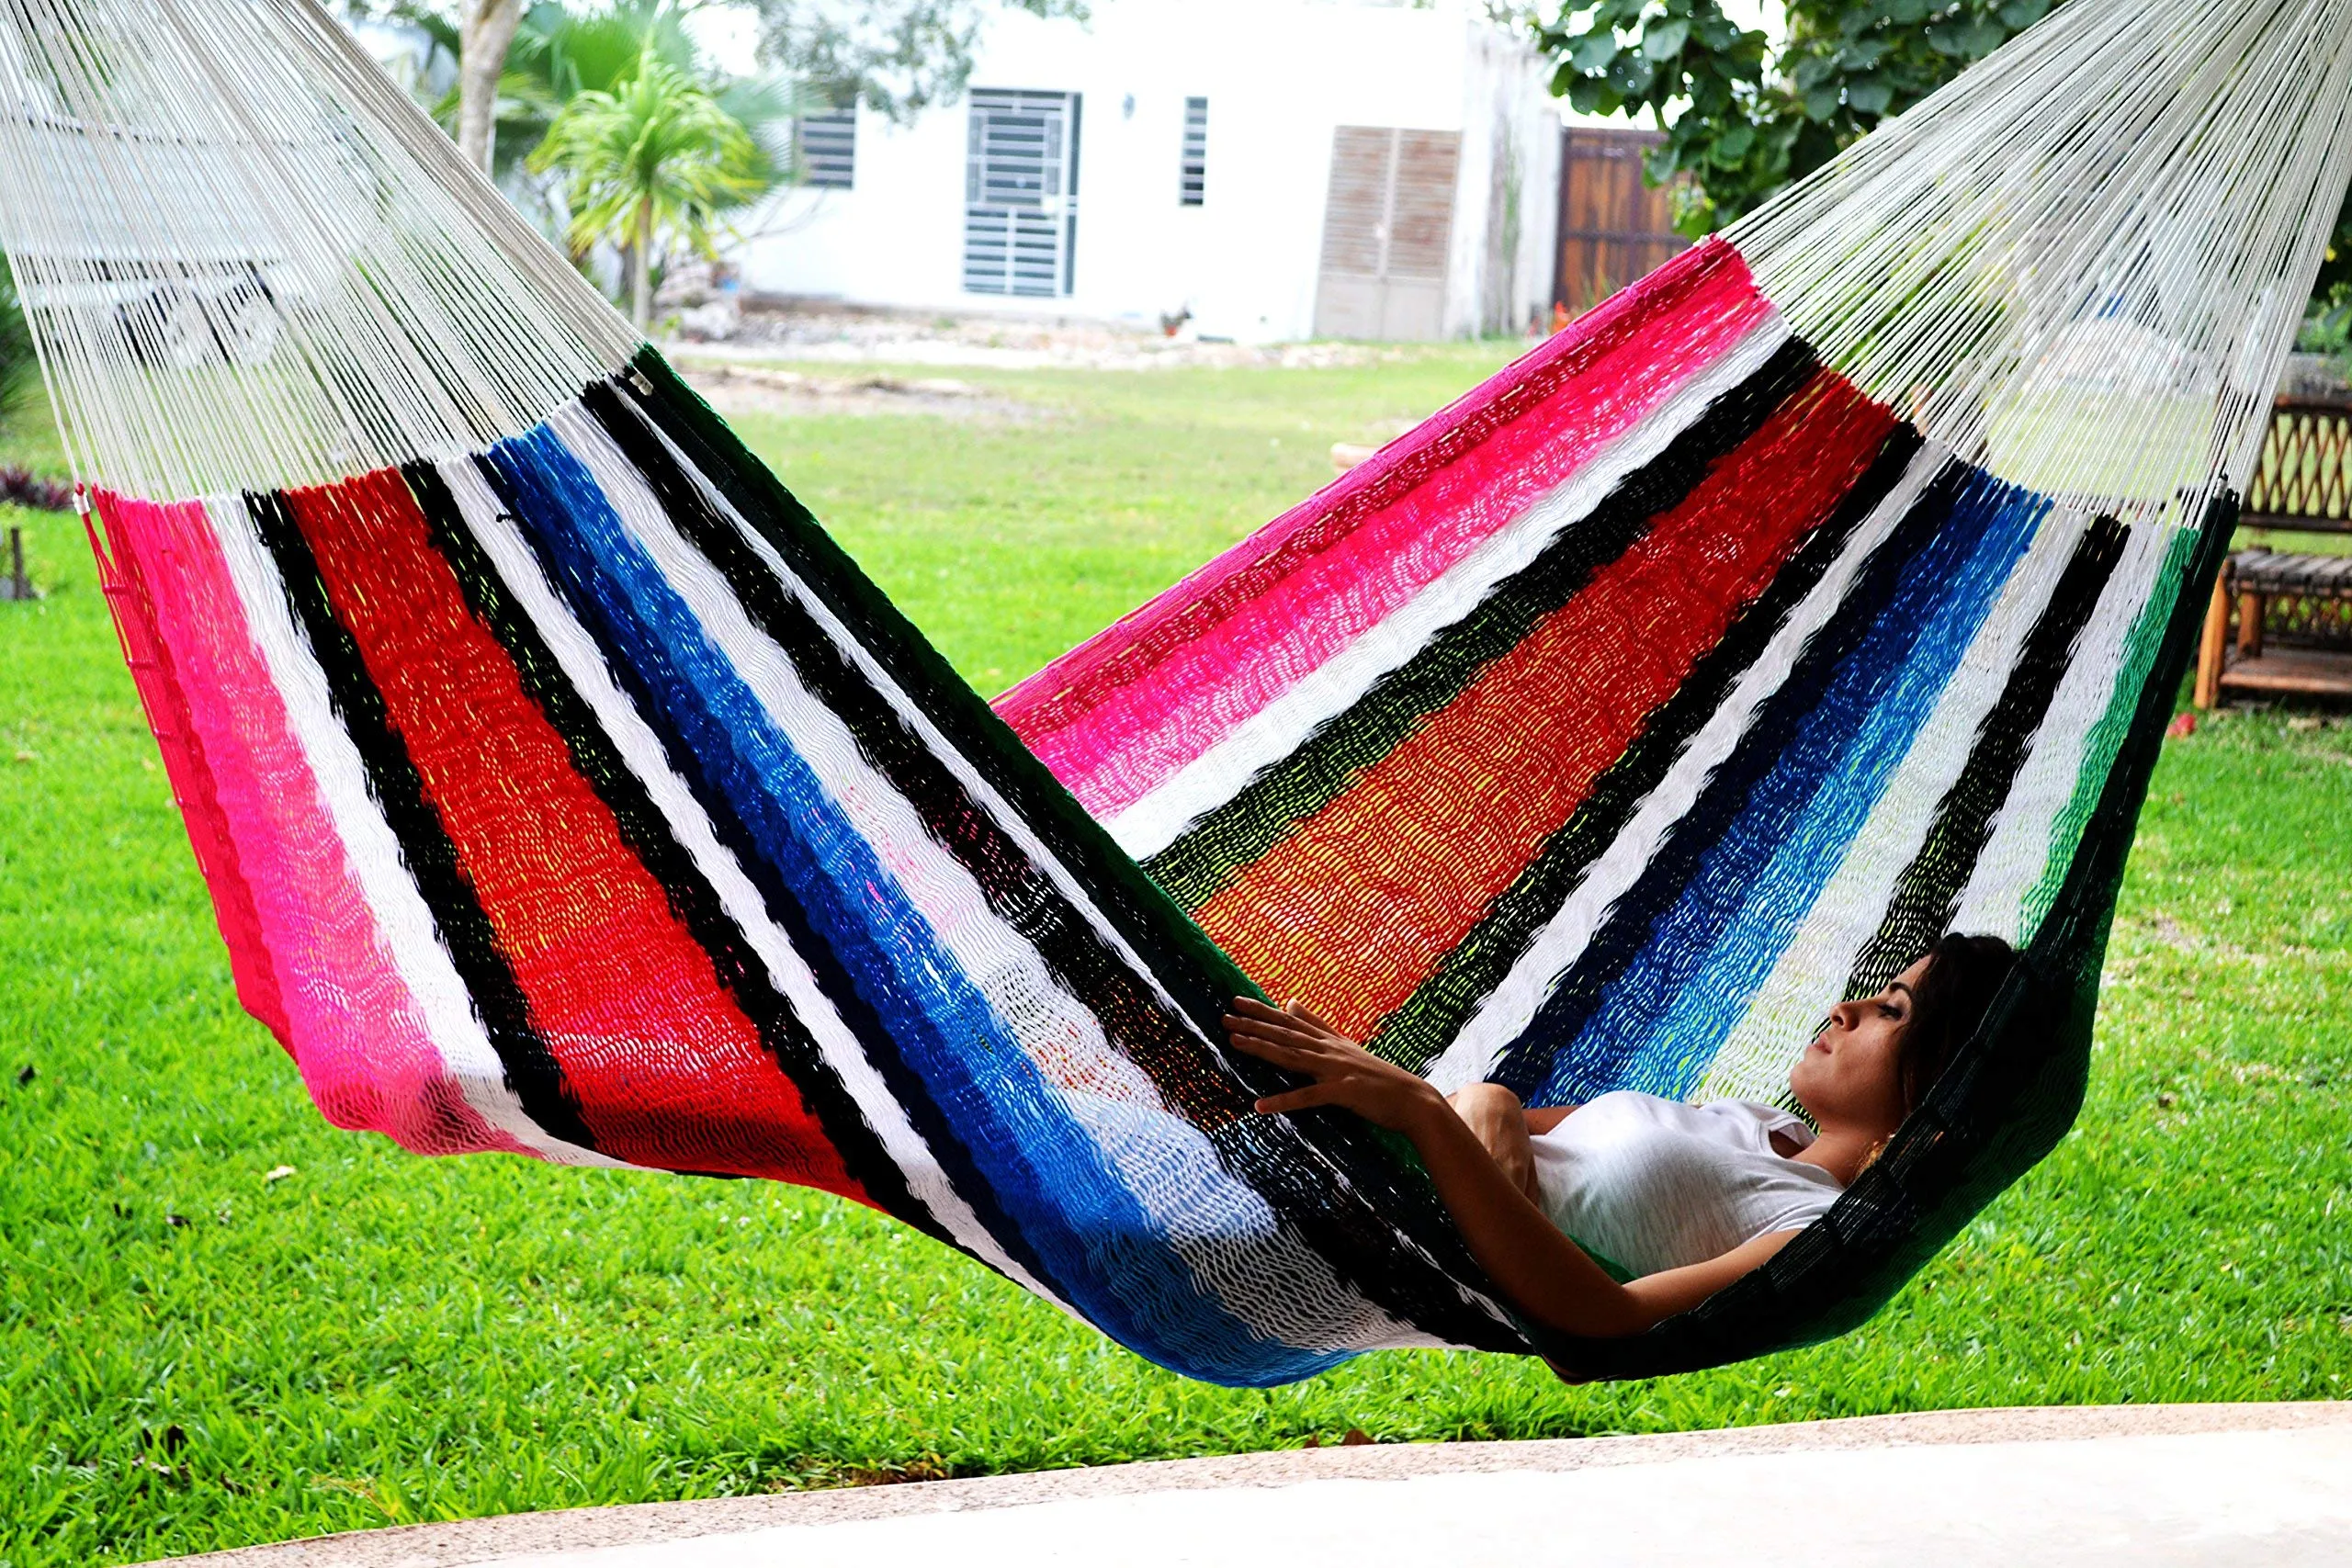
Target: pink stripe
163,695
1115,717
281,885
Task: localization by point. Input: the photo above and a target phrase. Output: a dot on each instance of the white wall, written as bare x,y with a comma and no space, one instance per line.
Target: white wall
1279,75
1500,273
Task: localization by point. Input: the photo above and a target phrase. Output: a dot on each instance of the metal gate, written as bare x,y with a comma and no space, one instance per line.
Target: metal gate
1020,193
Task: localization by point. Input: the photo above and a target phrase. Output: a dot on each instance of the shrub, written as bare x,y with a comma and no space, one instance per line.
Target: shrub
22,487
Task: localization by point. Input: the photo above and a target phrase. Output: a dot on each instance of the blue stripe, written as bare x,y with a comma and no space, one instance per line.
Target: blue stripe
1092,1241
1548,1063
1679,1002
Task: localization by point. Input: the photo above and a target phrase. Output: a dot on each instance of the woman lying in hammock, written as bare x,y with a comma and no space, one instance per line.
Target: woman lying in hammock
1684,1198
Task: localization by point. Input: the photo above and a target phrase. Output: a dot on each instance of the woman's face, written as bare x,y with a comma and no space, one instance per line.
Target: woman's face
1849,1074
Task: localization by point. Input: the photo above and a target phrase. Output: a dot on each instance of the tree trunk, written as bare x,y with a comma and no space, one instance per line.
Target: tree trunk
484,37
641,267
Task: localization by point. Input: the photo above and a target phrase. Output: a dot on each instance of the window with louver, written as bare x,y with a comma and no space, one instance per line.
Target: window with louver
829,149
1194,173
1020,193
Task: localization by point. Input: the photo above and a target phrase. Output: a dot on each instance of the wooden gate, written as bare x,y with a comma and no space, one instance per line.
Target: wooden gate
1613,228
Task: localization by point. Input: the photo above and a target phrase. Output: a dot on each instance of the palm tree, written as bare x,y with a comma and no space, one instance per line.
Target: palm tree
657,155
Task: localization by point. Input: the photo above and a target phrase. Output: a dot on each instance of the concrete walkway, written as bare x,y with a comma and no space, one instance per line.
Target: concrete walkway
2266,1484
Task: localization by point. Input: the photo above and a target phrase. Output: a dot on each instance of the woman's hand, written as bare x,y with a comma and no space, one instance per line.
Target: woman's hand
1345,1074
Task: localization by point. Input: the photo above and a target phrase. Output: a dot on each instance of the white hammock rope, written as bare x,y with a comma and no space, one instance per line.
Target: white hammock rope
166,155
2084,262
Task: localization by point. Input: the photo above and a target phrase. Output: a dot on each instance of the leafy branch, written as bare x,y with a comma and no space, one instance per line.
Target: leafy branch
1741,119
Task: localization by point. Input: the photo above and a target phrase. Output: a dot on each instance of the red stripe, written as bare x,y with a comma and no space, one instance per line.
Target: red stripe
668,1069
1355,908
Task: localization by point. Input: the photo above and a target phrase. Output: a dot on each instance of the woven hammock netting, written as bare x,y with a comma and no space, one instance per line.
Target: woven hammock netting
563,790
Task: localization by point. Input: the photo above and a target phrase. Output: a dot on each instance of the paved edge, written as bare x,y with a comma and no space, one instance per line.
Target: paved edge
466,1542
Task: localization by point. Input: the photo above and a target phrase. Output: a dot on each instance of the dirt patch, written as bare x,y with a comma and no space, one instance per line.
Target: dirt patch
735,390
826,332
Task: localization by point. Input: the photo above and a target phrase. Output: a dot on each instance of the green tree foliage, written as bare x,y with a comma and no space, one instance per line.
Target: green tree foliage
897,57
1743,120
653,162
561,51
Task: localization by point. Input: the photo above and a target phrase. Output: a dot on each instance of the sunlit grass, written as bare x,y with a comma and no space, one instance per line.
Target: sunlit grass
194,1355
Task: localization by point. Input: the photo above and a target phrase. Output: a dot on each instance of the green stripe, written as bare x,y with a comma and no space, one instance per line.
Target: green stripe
1214,850
2106,738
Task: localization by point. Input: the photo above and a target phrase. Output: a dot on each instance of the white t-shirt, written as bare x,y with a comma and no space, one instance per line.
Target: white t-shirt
1650,1184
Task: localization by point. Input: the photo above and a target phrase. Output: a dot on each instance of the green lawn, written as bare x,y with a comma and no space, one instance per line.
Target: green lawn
194,1356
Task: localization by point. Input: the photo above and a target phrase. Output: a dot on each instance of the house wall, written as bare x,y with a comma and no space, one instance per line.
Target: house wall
1279,75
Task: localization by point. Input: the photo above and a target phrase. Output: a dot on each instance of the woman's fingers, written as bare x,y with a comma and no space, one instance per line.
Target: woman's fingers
1281,1052
1292,1036
1265,1049
1313,1019
1264,1012
1296,1040
1297,1099
1292,1014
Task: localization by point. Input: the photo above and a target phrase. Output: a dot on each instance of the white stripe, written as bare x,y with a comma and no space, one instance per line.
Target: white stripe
1811,974
583,662
404,921
1273,1286
1506,1012
1158,819
985,795
2017,853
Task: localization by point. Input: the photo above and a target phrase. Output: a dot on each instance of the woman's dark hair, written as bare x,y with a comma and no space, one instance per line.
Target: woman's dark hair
1964,975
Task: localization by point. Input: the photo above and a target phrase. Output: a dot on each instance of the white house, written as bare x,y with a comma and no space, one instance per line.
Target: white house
1280,169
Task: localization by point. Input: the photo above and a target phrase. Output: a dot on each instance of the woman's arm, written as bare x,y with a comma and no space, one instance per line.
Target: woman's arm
1499,1123
1542,1119
1546,1275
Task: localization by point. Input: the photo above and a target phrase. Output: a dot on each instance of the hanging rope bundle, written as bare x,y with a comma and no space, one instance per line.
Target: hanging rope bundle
563,790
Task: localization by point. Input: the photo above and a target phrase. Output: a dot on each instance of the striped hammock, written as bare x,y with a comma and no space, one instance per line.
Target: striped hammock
563,790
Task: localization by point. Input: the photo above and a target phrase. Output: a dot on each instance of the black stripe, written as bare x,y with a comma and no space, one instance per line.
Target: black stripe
1014,888
1176,951
1326,763
648,836
1428,1020
1927,893
1350,1228
431,857
1626,931
783,906
1199,974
